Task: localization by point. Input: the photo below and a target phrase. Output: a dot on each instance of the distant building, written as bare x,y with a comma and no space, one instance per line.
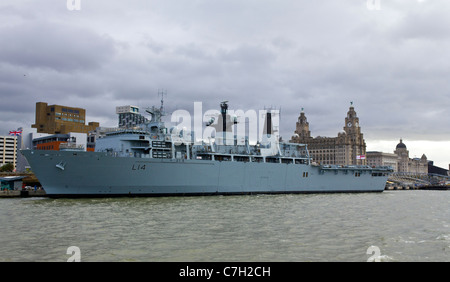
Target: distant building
11,182
129,116
399,160
348,148
57,142
437,170
406,164
57,119
382,159
8,150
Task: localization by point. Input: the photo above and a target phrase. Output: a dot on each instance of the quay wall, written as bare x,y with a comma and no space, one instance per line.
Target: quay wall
22,193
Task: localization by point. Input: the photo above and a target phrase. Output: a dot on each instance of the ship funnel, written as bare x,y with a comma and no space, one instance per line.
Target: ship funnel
268,124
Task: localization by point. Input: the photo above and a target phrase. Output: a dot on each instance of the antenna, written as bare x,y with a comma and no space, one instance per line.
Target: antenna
155,113
162,93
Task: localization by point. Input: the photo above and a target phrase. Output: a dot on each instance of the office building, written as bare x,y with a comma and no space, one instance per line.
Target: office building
130,117
8,150
57,119
375,158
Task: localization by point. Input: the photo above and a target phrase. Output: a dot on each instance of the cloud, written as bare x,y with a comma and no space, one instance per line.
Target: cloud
424,21
54,46
392,63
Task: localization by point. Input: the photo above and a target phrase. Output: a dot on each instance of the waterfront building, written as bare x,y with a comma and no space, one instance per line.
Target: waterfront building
399,160
348,148
11,182
8,150
129,116
406,164
382,159
57,119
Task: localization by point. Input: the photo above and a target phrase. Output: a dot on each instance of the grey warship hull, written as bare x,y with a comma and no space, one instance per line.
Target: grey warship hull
99,174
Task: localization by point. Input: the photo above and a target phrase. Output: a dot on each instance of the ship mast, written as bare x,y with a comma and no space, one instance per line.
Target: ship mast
162,93
155,113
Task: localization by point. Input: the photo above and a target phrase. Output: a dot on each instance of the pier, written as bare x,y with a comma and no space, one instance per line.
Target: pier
15,185
22,193
417,181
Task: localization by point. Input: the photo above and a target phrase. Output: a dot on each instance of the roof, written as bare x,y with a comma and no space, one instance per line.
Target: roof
401,145
12,178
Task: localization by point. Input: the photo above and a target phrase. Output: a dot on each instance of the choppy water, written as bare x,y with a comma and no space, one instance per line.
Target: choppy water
402,225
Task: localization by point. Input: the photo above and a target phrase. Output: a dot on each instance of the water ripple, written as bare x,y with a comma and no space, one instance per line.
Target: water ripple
404,225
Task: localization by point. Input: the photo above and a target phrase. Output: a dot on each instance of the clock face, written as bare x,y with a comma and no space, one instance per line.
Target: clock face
349,124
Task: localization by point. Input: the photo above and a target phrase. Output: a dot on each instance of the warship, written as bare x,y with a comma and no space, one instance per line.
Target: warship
153,160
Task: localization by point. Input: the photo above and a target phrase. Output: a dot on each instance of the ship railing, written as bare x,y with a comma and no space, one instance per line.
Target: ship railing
356,167
115,131
71,146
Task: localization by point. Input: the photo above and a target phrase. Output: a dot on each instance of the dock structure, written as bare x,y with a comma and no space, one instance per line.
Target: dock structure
15,185
417,181
25,193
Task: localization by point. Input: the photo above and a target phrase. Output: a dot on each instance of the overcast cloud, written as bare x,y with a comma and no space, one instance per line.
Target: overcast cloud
393,63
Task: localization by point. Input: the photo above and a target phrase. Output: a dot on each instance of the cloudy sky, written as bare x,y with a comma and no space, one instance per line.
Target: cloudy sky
393,63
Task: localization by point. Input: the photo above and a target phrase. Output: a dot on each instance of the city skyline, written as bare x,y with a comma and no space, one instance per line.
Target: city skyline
392,63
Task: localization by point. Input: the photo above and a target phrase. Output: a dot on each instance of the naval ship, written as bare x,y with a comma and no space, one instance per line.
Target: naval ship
153,160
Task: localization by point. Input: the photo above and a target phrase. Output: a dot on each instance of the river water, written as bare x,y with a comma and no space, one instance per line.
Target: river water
390,226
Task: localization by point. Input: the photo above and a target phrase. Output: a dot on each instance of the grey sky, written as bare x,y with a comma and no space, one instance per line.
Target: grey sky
393,63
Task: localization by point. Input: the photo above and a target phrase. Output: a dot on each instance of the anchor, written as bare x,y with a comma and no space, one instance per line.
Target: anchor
61,165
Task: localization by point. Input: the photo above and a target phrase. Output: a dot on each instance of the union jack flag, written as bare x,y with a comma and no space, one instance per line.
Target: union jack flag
15,133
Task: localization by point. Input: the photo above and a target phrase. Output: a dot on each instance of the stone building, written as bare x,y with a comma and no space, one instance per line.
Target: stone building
406,164
399,160
348,148
375,158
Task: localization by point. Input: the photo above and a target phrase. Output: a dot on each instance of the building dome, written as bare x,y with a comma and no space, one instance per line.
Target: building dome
401,145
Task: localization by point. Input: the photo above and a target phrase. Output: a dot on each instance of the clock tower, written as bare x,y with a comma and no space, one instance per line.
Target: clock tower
352,122
354,139
348,148
302,127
